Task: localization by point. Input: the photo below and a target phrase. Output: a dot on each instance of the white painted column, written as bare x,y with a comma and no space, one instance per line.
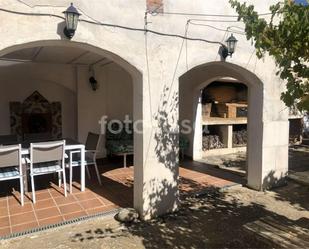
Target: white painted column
268,137
198,131
227,135
156,150
230,136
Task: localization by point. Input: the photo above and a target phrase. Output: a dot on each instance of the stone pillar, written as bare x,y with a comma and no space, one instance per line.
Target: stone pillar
156,166
226,132
198,131
230,136
268,137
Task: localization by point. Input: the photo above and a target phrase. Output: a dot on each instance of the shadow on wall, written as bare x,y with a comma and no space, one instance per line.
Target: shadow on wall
60,29
274,181
163,194
213,220
166,135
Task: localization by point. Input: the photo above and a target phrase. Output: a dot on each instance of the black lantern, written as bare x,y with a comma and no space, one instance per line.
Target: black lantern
231,44
230,47
71,19
93,82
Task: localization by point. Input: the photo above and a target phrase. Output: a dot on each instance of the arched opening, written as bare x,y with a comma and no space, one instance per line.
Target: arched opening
224,105
46,93
237,84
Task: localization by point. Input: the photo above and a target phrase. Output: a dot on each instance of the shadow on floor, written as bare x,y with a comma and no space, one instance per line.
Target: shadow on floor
210,221
211,170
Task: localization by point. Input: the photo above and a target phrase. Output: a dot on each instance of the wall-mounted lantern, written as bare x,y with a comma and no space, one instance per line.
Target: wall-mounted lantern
71,20
230,47
94,83
92,79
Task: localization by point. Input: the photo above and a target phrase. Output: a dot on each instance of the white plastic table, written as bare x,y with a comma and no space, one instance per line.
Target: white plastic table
70,145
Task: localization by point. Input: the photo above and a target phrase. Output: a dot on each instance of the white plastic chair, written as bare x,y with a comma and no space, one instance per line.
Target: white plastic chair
91,150
11,166
47,158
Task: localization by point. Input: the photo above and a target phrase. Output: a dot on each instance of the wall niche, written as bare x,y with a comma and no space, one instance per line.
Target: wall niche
36,117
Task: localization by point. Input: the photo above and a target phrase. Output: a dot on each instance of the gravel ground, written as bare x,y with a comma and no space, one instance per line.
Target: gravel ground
214,220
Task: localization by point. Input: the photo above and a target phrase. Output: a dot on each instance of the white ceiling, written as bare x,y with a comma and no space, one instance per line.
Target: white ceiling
56,55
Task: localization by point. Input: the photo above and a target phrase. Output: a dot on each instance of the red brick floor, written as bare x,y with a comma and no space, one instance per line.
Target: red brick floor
116,191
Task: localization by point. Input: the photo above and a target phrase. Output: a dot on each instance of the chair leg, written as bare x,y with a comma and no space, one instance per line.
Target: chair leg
98,174
64,183
87,170
33,189
22,190
125,160
71,179
59,179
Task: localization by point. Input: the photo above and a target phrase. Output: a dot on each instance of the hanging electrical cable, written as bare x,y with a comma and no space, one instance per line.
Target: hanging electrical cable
229,28
199,14
114,26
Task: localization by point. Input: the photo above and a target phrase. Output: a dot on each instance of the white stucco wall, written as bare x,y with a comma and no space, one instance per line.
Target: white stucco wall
82,107
155,64
113,98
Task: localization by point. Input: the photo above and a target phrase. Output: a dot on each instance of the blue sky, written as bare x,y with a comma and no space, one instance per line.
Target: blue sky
304,2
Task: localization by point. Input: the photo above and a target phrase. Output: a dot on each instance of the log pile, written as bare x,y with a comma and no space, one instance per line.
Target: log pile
212,142
240,138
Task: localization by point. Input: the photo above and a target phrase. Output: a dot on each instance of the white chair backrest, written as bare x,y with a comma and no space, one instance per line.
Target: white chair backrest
10,155
47,151
92,142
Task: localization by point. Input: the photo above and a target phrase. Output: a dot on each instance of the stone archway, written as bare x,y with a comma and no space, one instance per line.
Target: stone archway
199,77
137,79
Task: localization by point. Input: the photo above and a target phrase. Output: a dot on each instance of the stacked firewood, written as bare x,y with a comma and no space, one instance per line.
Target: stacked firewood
212,142
240,137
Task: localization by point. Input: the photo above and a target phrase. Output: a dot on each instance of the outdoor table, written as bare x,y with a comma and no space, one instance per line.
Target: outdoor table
70,144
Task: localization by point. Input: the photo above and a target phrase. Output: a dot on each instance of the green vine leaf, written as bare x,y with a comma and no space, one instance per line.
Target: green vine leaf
285,37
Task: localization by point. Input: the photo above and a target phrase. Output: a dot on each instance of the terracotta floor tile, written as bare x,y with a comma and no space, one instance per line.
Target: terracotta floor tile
65,200
223,183
3,202
74,215
24,227
116,190
76,185
56,193
102,200
110,207
101,209
18,209
75,190
47,213
83,196
40,191
5,231
44,204
50,221
70,208
42,196
94,203
3,211
22,218
14,201
4,222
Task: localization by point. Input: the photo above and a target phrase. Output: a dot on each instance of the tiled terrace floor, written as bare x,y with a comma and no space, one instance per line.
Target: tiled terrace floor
116,191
